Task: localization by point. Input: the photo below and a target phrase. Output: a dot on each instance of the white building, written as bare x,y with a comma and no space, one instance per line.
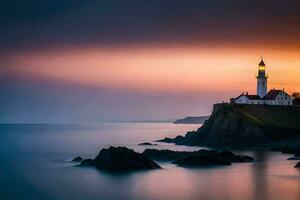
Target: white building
278,97
248,99
273,97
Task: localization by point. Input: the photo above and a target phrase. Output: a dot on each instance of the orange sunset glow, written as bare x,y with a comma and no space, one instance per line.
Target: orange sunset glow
163,69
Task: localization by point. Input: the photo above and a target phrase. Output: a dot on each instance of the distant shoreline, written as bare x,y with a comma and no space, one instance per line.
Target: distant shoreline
192,120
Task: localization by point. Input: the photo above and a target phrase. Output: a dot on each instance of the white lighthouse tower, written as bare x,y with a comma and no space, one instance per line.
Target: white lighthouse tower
262,80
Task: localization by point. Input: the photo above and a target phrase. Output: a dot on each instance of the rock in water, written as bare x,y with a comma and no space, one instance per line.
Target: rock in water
122,158
77,159
297,165
147,144
165,155
294,158
227,155
176,140
199,161
87,162
168,155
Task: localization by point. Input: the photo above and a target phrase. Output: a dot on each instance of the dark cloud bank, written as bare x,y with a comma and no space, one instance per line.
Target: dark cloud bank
35,23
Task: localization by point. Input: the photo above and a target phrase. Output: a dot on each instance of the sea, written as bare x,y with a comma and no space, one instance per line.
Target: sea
35,164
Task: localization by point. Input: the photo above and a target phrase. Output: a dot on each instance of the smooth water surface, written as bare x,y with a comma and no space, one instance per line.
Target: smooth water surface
35,164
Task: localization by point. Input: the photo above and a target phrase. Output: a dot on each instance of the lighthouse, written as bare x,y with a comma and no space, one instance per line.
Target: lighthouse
263,97
262,79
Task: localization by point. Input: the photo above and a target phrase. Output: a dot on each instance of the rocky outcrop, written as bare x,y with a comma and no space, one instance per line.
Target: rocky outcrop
147,144
77,159
228,155
120,159
87,162
167,155
124,159
294,158
201,157
244,126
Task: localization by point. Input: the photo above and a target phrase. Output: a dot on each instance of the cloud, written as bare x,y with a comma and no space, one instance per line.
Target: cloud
33,23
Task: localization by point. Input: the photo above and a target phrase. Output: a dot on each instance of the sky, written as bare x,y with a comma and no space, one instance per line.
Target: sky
122,60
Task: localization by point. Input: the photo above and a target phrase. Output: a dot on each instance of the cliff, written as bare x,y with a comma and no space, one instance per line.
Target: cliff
192,120
244,126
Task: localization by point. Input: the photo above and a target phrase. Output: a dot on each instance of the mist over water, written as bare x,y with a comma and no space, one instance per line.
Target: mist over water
35,165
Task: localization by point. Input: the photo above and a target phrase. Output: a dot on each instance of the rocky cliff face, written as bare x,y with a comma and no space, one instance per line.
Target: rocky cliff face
240,126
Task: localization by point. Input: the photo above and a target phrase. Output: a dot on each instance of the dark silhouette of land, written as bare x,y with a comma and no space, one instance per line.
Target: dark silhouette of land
192,120
246,126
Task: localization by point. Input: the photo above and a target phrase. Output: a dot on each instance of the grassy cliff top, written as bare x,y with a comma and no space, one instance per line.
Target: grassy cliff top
271,117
